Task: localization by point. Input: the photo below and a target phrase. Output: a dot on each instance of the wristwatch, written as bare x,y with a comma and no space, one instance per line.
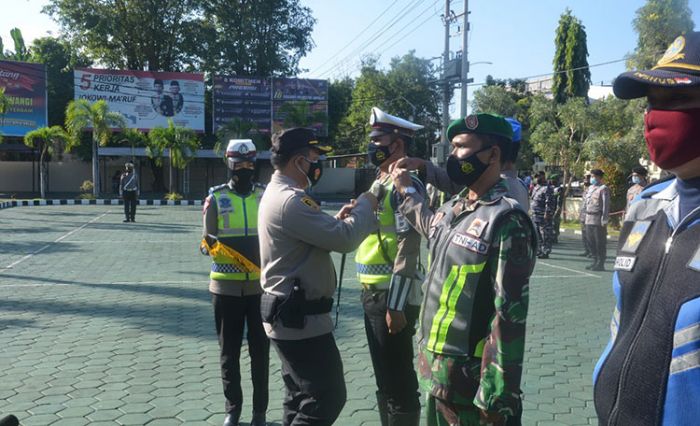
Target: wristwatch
409,190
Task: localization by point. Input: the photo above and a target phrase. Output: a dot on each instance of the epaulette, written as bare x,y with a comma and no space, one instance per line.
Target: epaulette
213,189
260,185
655,188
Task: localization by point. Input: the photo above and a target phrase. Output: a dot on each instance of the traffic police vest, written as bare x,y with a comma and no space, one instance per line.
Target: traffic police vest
649,373
458,297
373,267
237,222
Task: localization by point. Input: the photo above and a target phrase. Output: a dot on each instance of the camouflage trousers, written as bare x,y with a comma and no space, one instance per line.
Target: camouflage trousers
445,413
544,237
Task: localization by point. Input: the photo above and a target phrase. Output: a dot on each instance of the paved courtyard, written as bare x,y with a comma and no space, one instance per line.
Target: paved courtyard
106,323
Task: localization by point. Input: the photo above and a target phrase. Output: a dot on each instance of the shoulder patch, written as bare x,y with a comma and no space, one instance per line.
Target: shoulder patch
636,236
477,227
694,263
309,202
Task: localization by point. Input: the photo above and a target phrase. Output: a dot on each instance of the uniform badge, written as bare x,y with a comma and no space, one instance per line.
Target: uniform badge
694,263
625,263
477,227
402,225
437,217
470,243
309,202
472,122
674,52
636,235
225,205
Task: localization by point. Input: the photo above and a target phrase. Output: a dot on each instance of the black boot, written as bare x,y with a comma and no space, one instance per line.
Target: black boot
383,409
404,419
258,420
232,419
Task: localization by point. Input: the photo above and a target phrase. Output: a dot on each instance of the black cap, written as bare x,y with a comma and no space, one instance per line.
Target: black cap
679,67
640,171
597,172
290,140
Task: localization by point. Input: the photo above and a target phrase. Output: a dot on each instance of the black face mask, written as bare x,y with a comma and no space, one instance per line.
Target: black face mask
466,171
243,180
378,153
313,175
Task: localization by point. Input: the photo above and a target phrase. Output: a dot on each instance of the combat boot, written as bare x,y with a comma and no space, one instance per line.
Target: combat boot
383,409
404,419
232,418
258,420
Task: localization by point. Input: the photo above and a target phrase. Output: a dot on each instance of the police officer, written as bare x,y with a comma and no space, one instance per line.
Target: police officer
543,207
586,187
639,181
649,372
230,218
129,191
387,262
438,177
558,192
482,246
298,277
597,216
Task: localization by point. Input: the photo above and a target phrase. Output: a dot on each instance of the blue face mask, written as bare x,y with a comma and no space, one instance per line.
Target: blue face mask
594,181
636,180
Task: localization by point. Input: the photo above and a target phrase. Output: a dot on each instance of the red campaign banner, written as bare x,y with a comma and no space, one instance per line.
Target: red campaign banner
147,99
25,90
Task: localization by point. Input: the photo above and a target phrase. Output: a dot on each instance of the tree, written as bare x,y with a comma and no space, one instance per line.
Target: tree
657,24
572,78
21,53
80,116
339,100
299,114
48,140
181,143
495,99
237,128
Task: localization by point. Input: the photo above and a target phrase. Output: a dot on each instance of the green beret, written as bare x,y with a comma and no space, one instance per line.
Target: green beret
485,124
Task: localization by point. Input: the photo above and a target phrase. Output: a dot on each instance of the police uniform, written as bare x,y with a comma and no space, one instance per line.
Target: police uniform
230,216
472,324
129,190
558,191
299,279
387,262
597,215
543,207
582,221
649,372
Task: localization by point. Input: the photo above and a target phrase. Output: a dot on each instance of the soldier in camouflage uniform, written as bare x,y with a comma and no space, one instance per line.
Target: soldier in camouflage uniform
482,245
543,206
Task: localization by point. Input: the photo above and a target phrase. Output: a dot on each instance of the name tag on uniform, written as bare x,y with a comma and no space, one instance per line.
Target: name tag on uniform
694,263
470,243
402,224
625,263
636,235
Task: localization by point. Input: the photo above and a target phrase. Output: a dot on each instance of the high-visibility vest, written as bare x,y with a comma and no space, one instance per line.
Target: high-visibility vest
372,265
237,222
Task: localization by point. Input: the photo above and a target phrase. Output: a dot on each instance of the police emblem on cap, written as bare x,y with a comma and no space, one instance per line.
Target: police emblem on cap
472,122
243,149
673,53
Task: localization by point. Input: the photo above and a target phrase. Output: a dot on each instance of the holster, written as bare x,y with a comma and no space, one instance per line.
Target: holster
293,309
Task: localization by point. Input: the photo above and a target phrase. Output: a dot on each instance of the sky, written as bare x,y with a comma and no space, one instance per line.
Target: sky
515,36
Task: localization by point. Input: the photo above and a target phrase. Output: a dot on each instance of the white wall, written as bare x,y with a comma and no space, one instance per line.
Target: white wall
16,176
67,176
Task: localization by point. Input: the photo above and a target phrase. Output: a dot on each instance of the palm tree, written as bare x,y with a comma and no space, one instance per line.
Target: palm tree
81,116
236,129
48,140
300,114
182,144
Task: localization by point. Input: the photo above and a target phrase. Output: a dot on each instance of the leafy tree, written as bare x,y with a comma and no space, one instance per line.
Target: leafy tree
181,143
572,77
21,52
339,100
80,116
237,128
495,99
48,140
299,114
60,59
657,24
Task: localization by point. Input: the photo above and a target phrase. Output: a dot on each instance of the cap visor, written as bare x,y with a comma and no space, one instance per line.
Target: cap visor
375,133
322,148
635,84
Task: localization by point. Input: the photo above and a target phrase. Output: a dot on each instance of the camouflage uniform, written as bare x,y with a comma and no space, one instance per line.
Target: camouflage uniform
543,207
462,378
559,205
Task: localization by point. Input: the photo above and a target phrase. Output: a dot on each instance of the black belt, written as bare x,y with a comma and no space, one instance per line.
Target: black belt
316,307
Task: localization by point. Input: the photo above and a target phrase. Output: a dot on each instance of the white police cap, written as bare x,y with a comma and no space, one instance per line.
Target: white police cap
241,150
384,124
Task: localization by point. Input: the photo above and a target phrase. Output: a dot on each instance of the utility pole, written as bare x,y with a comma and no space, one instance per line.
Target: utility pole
465,58
447,89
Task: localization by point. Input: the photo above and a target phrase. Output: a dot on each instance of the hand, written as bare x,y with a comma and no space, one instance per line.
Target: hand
345,210
401,177
378,190
395,320
371,199
410,163
490,417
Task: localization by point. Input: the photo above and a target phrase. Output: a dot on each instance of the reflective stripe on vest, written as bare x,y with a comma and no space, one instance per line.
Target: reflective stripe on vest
372,267
237,221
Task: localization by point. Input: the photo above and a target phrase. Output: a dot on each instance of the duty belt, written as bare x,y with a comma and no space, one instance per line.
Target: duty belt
376,287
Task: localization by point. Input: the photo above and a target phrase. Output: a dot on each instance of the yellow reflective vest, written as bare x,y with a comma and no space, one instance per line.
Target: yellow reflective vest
372,265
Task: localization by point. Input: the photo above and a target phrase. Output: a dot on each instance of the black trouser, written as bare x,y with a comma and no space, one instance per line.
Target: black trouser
130,201
544,236
313,377
231,314
585,239
597,239
392,354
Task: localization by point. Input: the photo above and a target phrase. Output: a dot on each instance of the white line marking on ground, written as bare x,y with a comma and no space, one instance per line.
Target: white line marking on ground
556,276
97,284
131,242
568,269
57,240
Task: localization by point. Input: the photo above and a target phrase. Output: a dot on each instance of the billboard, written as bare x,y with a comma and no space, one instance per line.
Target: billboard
146,99
244,98
300,95
25,91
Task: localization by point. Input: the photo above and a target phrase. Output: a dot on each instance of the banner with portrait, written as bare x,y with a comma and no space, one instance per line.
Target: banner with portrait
24,87
146,99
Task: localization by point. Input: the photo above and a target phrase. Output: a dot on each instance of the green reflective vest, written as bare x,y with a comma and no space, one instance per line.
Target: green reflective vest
372,267
237,222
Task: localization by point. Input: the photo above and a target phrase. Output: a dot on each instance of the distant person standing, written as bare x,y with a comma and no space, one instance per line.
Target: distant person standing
542,213
559,205
129,191
639,181
582,216
597,216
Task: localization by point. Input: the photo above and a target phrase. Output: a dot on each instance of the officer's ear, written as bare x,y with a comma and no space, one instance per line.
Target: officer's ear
495,157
